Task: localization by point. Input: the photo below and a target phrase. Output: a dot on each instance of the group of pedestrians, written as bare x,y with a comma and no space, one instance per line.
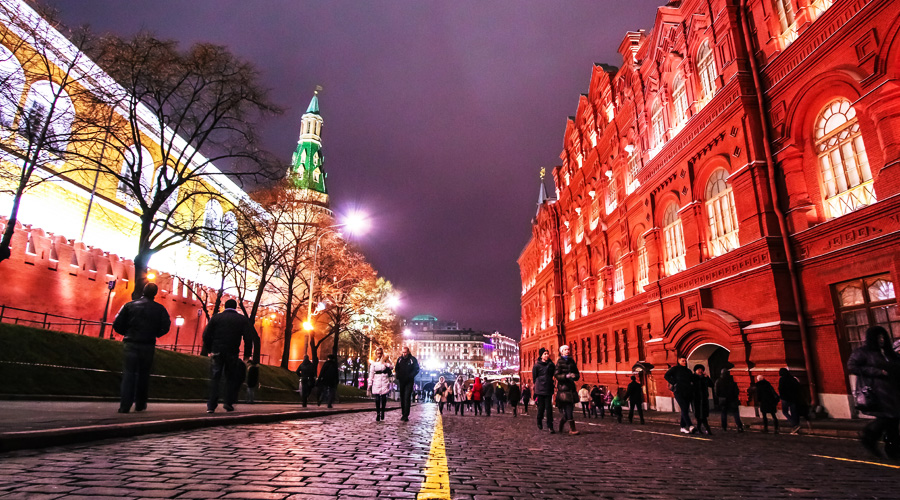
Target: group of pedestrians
381,373
144,320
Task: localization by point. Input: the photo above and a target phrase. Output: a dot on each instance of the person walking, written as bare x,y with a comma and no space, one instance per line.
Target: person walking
526,398
566,392
877,392
477,396
515,395
459,396
616,403
542,374
768,402
634,393
789,390
487,396
680,381
222,342
141,322
727,391
328,380
252,380
441,393
380,374
584,397
702,384
598,398
307,373
406,370
500,396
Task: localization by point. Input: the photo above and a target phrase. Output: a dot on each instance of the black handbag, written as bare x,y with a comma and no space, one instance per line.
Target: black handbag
865,397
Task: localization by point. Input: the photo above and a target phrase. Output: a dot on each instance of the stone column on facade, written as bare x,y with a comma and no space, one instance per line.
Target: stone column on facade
629,260
652,243
747,203
799,207
883,108
691,219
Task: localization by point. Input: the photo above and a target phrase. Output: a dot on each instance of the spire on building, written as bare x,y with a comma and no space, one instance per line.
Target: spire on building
306,170
542,196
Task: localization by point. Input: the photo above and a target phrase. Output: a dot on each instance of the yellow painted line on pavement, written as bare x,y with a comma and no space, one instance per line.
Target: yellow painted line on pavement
674,435
890,466
437,477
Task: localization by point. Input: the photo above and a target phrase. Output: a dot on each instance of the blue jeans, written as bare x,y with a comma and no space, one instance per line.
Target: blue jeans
684,404
790,412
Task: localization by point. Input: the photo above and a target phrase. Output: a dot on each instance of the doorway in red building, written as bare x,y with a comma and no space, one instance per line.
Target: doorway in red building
714,358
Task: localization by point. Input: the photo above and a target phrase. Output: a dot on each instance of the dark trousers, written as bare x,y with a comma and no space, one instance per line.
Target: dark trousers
599,408
765,417
567,414
585,409
459,408
640,409
525,406
515,409
231,368
306,387
326,394
136,375
790,412
487,406
476,407
380,404
501,406
684,404
544,405
889,428
735,411
406,390
441,407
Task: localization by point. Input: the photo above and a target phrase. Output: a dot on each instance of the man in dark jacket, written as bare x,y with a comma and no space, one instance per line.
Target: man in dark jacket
515,394
141,322
526,398
768,402
487,396
542,375
307,373
877,392
222,342
405,370
635,395
329,377
729,399
599,399
680,381
789,390
702,384
566,391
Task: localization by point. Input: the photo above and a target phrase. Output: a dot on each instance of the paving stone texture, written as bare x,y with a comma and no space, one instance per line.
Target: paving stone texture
352,456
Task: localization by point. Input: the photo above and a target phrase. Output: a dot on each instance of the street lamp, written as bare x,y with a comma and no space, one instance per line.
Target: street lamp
179,322
110,285
355,222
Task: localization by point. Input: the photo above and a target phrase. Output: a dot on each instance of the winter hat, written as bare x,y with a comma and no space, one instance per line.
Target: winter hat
541,351
699,367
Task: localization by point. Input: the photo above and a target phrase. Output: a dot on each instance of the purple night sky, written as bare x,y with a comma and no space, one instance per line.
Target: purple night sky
438,118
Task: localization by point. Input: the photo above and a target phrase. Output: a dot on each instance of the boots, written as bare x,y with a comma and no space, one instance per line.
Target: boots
572,430
561,424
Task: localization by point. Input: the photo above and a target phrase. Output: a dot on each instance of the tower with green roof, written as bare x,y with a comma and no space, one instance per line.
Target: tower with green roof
306,170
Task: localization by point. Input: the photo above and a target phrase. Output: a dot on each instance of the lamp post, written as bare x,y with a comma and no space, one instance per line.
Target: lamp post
179,322
110,285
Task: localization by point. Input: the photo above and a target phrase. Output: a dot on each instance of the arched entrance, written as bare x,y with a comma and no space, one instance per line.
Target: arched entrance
714,358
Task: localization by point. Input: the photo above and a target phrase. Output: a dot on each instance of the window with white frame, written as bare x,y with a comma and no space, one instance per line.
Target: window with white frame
673,235
212,219
579,228
599,294
867,302
619,280
584,301
643,266
611,196
723,224
567,243
595,212
706,68
785,12
680,101
657,125
44,96
136,164
634,167
846,175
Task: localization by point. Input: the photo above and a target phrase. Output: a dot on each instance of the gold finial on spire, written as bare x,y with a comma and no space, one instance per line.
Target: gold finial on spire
543,172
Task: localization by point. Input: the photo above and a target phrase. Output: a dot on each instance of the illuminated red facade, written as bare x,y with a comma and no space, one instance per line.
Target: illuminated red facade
742,212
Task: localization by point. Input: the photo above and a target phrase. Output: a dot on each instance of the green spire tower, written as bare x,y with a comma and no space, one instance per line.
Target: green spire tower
306,165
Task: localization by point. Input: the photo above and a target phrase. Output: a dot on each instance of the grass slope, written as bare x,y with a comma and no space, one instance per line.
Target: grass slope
37,362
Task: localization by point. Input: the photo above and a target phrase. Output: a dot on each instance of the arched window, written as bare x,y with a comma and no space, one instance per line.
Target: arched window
212,219
579,228
229,231
595,211
619,279
679,98
44,96
846,175
543,309
706,68
611,196
657,125
643,266
674,239
599,294
12,84
136,164
723,224
785,14
165,180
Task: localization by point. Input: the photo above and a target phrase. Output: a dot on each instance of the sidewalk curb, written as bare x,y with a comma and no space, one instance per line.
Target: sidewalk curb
26,440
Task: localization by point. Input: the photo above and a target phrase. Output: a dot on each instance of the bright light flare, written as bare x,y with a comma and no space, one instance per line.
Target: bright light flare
393,301
357,222
307,325
407,332
179,321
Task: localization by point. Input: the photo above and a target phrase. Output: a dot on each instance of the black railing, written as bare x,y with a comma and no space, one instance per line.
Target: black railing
49,321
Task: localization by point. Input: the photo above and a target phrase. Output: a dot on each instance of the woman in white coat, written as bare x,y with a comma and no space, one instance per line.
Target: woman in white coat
441,393
380,381
459,395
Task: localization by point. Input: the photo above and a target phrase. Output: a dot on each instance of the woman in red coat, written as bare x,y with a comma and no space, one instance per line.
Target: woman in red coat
476,395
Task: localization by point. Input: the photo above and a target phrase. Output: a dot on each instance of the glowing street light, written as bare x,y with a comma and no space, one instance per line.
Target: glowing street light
179,322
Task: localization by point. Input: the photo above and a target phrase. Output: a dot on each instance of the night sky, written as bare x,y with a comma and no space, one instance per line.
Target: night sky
438,117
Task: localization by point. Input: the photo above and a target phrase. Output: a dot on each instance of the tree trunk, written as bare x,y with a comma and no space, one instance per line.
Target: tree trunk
288,330
219,293
5,243
140,273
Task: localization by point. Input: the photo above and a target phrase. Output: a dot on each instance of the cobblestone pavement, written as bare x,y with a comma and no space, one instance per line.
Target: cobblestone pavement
352,456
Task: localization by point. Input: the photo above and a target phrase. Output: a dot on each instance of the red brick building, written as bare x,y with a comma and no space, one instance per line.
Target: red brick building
732,193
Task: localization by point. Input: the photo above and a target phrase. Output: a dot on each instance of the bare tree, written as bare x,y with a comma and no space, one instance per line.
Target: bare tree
178,114
47,87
